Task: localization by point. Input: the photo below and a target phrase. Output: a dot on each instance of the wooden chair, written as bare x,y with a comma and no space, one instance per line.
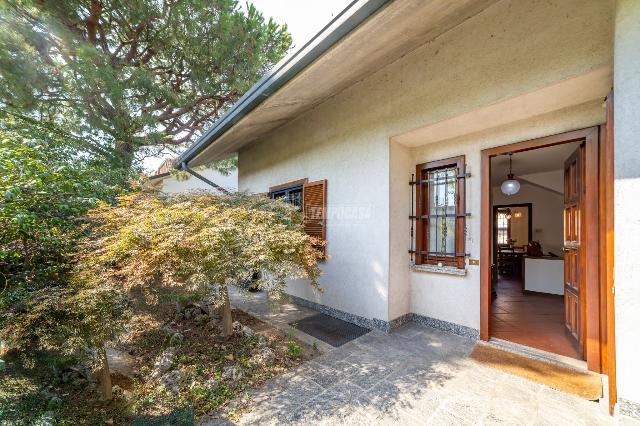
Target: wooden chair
494,281
507,261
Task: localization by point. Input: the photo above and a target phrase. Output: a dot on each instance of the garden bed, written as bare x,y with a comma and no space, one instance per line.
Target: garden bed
202,373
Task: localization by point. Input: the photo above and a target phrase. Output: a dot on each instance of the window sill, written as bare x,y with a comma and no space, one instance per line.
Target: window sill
449,270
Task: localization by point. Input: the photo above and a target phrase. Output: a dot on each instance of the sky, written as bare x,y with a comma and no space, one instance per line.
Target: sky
304,18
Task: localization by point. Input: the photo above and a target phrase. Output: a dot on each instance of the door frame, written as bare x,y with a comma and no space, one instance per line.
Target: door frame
590,136
494,234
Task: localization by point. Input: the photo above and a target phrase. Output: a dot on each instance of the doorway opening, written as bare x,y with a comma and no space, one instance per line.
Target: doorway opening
529,301
588,229
582,222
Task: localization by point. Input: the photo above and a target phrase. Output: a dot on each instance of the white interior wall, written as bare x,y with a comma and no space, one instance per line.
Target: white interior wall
520,225
553,180
546,212
627,200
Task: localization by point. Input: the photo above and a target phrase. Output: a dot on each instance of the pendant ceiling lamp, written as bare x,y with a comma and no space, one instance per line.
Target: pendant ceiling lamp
510,186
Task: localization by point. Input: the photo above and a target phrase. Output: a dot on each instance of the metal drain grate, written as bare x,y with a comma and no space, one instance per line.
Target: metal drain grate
329,329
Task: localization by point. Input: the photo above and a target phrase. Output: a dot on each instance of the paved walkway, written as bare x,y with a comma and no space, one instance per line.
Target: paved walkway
278,313
414,375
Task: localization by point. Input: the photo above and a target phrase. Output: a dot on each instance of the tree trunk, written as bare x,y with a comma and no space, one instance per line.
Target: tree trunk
227,321
105,374
125,150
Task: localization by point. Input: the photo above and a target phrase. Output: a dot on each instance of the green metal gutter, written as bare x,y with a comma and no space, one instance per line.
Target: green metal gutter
283,72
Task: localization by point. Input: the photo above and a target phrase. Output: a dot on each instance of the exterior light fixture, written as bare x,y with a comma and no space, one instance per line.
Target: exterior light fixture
510,186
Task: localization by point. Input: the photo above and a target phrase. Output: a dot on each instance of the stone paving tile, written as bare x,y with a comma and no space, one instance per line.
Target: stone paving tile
414,375
324,376
348,388
445,417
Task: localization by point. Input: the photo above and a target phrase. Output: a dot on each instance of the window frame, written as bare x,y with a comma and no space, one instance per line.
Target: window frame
507,228
422,256
312,218
288,187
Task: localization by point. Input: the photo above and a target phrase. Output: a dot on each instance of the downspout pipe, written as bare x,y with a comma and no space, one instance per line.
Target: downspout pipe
186,168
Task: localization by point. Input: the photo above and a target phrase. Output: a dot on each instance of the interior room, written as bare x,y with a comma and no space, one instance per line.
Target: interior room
528,301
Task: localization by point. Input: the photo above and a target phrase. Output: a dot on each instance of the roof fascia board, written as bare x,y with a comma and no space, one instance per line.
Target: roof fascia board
346,21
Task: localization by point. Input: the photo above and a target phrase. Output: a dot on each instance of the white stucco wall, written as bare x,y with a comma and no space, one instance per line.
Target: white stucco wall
400,168
488,59
346,140
627,189
457,299
355,277
173,184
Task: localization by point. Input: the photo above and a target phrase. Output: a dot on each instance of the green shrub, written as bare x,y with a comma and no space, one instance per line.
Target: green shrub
48,182
198,243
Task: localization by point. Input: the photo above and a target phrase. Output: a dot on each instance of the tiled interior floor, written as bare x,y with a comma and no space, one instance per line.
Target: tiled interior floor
535,320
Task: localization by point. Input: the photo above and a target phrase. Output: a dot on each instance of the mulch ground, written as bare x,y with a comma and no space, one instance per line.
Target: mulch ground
201,356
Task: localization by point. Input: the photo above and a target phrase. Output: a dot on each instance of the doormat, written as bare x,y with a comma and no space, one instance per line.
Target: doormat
329,329
582,383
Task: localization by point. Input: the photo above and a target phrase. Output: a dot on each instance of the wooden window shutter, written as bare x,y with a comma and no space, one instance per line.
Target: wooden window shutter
314,196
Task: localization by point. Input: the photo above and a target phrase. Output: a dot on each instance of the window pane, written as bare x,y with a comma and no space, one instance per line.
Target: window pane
434,241
442,235
442,211
295,198
290,195
503,228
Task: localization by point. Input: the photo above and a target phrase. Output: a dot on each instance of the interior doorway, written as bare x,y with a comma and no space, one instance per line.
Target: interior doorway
579,318
529,300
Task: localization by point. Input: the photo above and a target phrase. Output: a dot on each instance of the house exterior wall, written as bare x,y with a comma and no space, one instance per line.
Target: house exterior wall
457,299
350,151
348,141
626,190
355,277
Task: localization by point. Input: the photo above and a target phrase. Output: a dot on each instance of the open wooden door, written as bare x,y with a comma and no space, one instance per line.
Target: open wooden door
574,245
607,227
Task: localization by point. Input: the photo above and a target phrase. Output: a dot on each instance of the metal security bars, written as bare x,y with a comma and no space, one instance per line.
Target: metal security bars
440,217
291,195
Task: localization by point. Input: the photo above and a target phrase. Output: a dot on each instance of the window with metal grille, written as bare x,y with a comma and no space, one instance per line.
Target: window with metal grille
440,212
291,195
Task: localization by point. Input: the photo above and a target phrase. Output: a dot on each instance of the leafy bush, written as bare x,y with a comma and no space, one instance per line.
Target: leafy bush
48,181
198,243
47,184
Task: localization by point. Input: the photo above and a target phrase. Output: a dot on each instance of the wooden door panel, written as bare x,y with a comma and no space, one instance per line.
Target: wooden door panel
573,247
572,313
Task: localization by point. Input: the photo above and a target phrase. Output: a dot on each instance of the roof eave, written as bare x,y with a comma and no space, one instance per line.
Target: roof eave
346,21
